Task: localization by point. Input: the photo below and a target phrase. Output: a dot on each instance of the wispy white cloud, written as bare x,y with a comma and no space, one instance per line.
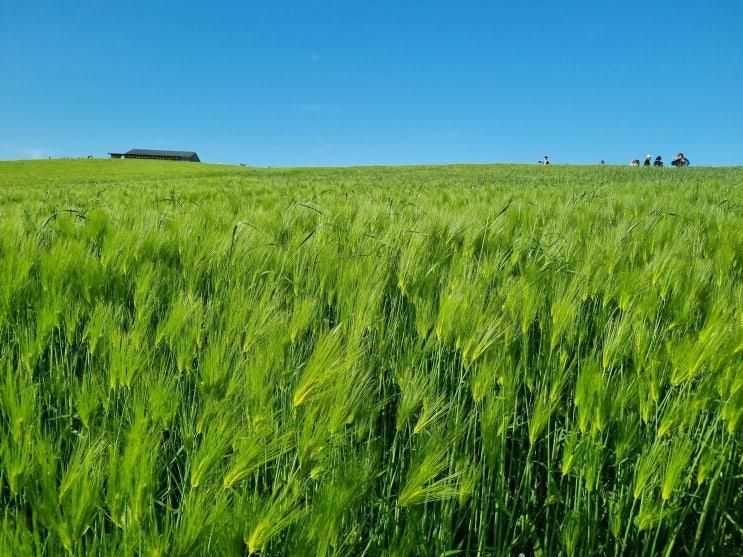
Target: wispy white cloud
299,57
13,152
33,153
314,108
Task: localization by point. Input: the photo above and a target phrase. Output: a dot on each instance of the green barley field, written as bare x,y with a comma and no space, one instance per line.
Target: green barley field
462,360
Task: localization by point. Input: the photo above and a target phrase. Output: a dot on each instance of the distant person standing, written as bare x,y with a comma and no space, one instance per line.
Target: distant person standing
635,162
680,160
546,160
647,160
603,162
658,161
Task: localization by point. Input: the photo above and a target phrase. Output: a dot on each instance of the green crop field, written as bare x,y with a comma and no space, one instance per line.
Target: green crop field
449,360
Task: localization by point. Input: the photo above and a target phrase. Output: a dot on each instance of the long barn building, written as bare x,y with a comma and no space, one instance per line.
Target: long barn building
189,156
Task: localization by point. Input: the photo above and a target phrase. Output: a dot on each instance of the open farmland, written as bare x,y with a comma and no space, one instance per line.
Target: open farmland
453,360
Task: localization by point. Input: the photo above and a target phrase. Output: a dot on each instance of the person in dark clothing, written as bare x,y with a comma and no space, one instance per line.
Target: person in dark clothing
658,161
680,160
647,160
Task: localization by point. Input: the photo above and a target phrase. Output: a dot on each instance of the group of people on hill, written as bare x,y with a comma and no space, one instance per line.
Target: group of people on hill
648,161
678,161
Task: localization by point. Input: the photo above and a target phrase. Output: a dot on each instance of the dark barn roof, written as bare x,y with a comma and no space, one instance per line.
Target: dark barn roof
157,154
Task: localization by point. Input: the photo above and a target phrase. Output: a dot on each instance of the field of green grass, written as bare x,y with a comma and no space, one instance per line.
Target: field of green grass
435,360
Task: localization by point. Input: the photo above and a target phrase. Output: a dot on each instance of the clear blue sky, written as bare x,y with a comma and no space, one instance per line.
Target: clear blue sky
338,82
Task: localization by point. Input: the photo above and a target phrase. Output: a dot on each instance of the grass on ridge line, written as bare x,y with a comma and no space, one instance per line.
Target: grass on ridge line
434,360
